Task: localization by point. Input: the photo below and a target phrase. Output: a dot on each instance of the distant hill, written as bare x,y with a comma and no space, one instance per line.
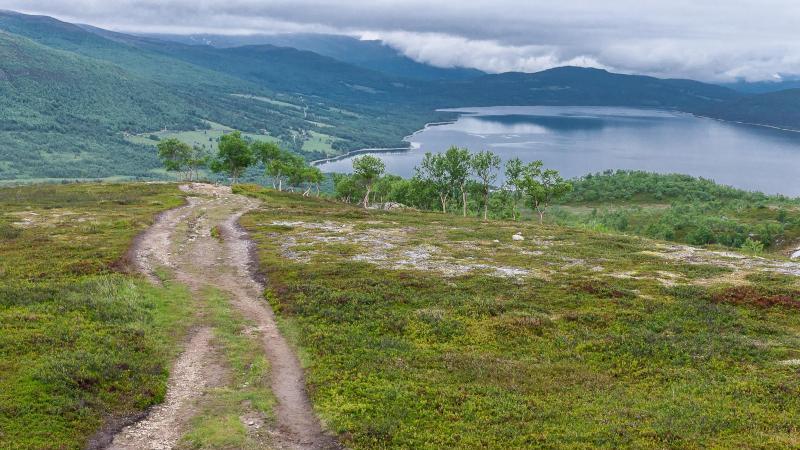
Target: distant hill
62,114
372,55
91,116
763,87
777,109
587,87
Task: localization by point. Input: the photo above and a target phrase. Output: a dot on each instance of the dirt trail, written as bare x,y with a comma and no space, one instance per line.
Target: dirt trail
194,371
182,240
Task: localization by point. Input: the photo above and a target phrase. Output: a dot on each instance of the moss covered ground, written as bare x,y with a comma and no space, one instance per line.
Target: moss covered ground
423,330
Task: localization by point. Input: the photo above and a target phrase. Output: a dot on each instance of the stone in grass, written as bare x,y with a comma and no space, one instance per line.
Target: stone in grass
518,237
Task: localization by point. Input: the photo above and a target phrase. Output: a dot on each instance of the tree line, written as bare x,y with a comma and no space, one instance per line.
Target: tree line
235,155
456,180
700,211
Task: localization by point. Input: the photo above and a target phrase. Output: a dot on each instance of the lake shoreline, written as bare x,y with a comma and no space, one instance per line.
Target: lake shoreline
381,149
737,122
579,140
465,112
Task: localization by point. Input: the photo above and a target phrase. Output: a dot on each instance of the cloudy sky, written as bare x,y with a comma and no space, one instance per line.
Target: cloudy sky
712,40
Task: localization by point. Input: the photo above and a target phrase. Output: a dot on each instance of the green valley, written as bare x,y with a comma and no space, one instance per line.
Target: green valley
394,225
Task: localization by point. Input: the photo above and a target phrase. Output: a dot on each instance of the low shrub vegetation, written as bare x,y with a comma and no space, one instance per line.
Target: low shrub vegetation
681,208
602,341
80,342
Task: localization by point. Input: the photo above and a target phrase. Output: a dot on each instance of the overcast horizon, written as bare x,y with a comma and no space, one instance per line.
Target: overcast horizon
741,40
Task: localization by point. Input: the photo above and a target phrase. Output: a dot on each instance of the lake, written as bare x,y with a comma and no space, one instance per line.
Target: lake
581,140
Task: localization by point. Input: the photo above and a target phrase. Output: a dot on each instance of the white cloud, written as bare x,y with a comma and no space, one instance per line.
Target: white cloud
444,50
704,39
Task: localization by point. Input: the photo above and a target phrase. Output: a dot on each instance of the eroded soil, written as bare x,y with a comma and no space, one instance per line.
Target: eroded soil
201,245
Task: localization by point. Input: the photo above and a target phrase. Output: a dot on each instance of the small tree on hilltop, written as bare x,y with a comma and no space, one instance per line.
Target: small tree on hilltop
383,188
174,155
285,166
277,169
542,187
484,164
433,171
313,177
296,171
367,169
266,152
234,156
457,164
514,178
345,187
198,158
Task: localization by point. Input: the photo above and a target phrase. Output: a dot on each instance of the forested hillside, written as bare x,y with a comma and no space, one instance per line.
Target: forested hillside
585,87
279,98
61,114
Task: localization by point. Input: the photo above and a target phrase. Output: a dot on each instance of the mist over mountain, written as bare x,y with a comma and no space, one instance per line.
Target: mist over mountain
368,54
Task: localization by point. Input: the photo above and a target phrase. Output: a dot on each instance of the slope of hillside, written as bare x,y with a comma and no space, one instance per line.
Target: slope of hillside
586,87
80,343
416,329
62,114
290,70
428,330
763,87
208,92
337,99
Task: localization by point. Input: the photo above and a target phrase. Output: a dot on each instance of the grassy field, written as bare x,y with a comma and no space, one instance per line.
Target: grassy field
207,139
320,143
310,141
80,342
421,330
271,101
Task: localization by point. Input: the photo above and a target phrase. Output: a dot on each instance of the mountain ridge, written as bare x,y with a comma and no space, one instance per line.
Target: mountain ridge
369,54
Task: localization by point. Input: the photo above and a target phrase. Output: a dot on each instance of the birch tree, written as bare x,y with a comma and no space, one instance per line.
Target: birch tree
432,169
484,166
367,169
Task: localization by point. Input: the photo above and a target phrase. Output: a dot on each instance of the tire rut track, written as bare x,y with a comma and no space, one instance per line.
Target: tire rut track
200,260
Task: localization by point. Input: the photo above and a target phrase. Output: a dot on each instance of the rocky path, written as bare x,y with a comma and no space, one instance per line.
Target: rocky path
183,242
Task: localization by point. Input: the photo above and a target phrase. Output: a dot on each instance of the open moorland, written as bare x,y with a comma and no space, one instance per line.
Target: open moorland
423,330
